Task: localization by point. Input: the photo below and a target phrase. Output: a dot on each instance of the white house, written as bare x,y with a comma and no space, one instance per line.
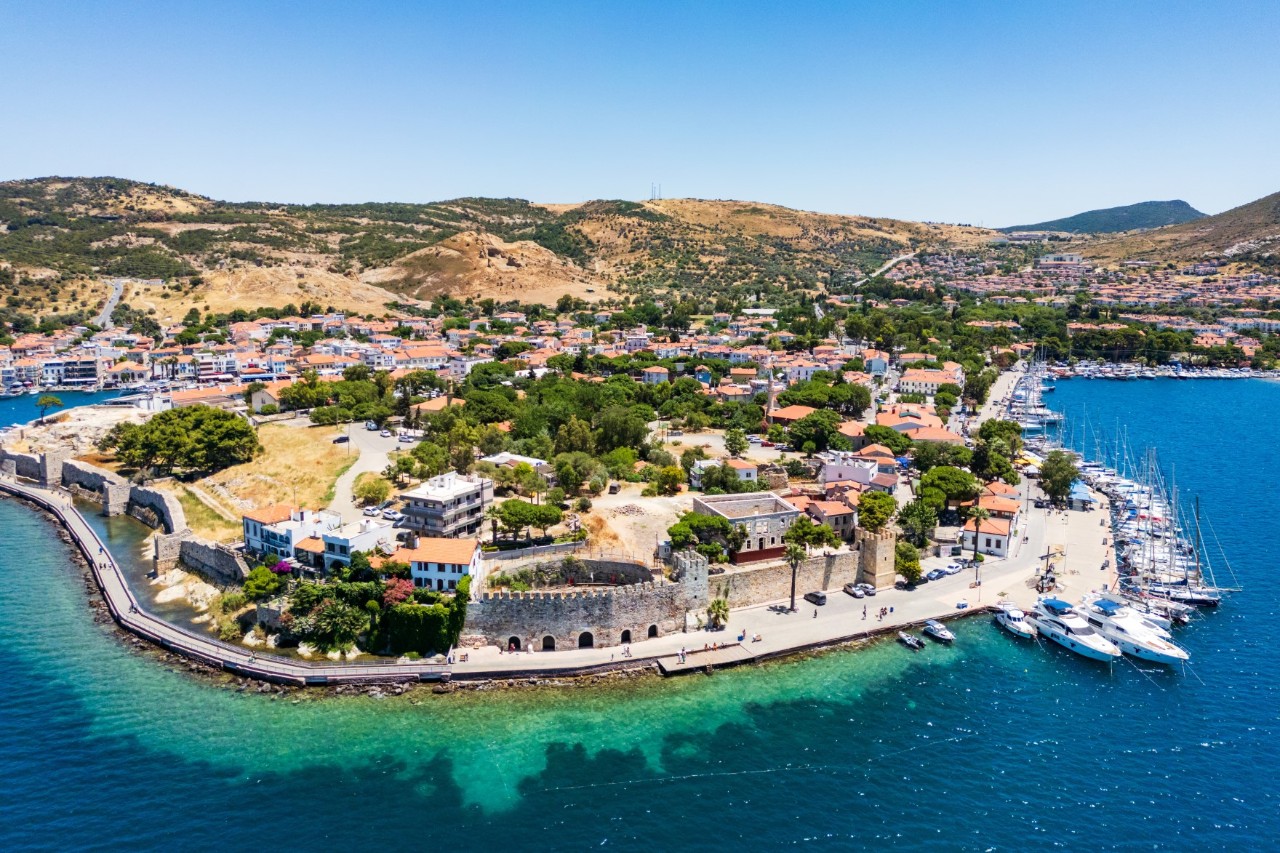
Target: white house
367,534
839,465
440,563
266,533
993,538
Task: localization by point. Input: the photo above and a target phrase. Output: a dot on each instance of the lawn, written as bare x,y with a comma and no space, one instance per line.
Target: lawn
204,522
299,466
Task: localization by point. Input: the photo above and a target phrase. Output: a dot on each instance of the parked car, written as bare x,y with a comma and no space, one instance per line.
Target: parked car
754,439
815,597
766,443
954,569
867,588
342,439
936,574
855,590
406,438
390,514
386,433
370,426
371,511
782,448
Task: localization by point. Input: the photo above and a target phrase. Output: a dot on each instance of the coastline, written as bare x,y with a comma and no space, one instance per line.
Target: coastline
788,635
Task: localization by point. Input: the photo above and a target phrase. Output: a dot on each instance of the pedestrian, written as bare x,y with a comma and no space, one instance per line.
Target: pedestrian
890,611
815,613
864,612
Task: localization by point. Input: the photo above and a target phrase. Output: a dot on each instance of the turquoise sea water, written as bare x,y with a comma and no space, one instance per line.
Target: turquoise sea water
991,745
20,410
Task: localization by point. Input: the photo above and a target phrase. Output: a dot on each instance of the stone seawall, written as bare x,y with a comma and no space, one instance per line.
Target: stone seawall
165,506
216,562
24,464
747,585
570,620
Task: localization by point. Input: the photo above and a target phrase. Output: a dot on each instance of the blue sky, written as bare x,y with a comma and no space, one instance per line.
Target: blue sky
992,113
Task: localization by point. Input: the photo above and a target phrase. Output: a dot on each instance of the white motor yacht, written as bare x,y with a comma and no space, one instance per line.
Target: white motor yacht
1057,620
1132,634
1013,620
1154,615
938,631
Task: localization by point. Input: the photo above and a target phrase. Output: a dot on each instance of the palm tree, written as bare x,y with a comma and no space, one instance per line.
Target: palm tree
718,612
795,556
977,515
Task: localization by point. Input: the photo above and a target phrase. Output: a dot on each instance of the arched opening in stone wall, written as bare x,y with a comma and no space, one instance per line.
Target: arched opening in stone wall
513,644
653,631
626,636
548,643
586,641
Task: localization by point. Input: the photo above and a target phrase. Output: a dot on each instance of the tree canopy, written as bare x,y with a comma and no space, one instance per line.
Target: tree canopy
191,438
1057,474
875,509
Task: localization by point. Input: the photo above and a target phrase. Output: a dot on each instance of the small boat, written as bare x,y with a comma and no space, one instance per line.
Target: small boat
911,641
938,631
1013,620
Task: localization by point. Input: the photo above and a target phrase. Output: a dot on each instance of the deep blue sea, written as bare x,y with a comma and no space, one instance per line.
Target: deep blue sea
991,745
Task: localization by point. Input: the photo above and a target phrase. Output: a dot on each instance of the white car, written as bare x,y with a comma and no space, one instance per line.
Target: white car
386,433
371,511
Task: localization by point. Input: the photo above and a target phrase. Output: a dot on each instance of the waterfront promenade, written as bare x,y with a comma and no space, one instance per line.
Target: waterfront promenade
127,612
1077,542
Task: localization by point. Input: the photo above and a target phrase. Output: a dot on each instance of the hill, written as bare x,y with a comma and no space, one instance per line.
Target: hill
1249,234
1111,220
61,239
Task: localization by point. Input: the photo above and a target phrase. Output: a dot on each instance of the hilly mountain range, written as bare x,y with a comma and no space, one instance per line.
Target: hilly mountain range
1111,220
60,237
1249,234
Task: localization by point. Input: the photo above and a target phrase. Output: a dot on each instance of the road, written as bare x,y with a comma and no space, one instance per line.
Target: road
374,453
817,307
103,320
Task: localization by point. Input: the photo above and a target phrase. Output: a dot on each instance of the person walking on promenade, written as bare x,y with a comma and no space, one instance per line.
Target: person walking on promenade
864,612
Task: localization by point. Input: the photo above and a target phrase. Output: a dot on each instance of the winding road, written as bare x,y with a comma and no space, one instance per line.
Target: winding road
103,320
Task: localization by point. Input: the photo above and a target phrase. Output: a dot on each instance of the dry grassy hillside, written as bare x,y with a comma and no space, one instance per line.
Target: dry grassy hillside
1250,232
62,239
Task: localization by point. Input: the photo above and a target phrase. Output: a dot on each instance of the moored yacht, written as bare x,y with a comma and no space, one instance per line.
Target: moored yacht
1057,620
938,631
1013,620
1132,634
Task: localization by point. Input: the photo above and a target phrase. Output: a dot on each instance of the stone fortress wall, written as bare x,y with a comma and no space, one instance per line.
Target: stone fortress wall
570,619
174,541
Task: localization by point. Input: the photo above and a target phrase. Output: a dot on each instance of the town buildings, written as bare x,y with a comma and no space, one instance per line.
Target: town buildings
450,505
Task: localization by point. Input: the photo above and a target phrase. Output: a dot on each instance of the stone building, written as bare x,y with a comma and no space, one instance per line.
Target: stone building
763,517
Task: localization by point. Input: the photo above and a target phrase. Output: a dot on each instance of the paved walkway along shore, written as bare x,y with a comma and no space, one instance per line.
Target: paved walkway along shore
1077,542
238,659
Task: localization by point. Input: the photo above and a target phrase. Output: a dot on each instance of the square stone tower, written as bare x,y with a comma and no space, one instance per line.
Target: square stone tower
876,558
